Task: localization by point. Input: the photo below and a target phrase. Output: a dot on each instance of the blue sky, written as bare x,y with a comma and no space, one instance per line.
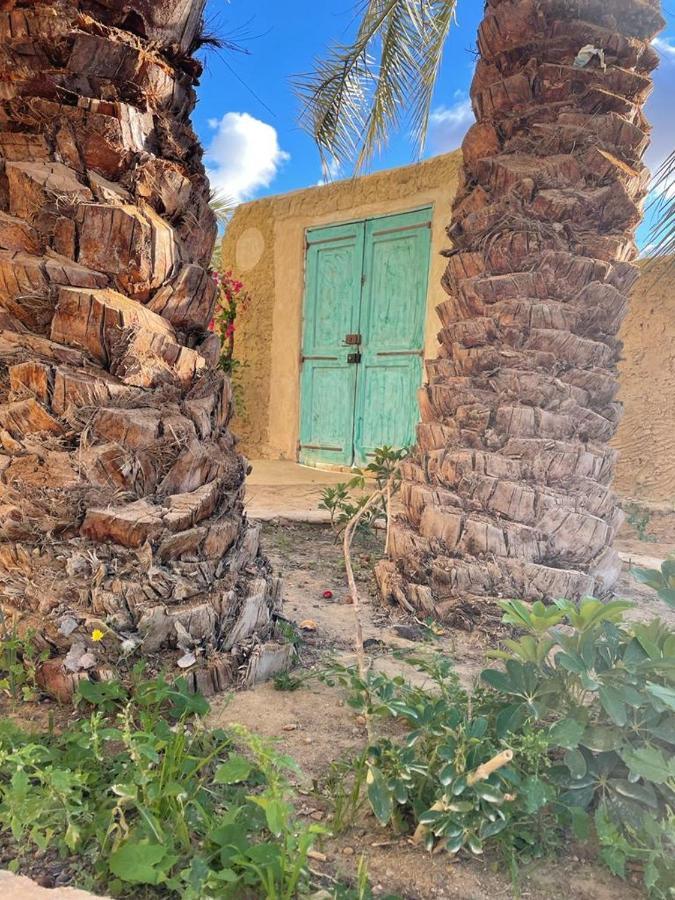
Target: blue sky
247,113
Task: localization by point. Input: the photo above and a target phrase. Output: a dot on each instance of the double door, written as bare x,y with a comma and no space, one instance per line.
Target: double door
364,315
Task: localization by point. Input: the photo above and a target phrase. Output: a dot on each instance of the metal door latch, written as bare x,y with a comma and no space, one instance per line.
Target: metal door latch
354,358
353,339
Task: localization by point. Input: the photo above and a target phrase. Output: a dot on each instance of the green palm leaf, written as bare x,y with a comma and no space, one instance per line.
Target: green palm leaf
662,206
364,91
222,206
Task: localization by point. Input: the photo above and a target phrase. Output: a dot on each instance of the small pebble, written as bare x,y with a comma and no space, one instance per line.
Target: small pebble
347,851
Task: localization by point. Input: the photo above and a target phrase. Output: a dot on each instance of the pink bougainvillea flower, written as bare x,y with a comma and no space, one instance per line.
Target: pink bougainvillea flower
237,286
229,331
212,325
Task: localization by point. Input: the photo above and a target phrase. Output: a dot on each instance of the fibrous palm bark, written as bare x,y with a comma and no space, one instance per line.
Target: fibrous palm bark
509,490
121,489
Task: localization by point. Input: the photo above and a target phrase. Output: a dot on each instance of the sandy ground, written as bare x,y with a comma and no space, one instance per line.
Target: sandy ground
281,487
314,725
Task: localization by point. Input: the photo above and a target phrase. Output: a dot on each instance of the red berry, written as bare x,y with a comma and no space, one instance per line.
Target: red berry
327,595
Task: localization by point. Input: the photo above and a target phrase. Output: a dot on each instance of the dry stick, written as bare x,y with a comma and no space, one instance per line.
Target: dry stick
487,768
388,514
351,581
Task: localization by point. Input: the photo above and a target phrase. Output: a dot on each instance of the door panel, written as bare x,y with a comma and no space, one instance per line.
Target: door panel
332,299
393,311
387,411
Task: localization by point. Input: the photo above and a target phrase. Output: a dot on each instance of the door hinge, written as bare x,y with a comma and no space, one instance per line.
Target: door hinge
353,357
363,279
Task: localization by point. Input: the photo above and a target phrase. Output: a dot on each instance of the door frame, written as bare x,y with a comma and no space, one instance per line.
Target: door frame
427,207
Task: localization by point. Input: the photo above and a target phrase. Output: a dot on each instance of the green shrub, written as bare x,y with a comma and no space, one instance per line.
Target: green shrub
608,688
662,580
425,779
639,517
584,702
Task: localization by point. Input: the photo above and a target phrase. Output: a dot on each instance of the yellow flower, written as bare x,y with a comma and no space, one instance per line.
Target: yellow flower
97,634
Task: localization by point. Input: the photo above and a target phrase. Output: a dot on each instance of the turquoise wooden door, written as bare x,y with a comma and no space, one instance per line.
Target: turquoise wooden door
332,301
365,306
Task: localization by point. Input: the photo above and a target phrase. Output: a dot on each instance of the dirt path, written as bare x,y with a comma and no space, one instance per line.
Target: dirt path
314,725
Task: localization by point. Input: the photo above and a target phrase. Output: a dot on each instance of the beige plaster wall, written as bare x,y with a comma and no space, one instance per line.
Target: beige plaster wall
265,246
646,437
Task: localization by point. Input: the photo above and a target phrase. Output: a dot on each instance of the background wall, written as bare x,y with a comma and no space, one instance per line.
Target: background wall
265,246
646,436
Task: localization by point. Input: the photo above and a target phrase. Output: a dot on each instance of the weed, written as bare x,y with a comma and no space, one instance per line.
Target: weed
344,784
18,662
284,681
141,800
639,517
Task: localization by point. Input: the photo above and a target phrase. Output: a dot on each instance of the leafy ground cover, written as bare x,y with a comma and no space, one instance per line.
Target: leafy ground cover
139,799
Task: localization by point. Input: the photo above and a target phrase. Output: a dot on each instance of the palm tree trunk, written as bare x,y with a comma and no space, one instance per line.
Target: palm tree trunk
509,491
121,489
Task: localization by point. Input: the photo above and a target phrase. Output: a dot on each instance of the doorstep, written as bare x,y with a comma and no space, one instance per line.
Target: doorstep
282,489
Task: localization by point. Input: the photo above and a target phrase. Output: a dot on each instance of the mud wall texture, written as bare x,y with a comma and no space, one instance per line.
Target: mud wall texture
265,246
646,437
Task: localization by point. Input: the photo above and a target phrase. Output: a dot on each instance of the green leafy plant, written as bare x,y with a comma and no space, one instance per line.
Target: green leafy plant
344,784
285,681
662,580
605,688
343,505
140,799
576,731
430,782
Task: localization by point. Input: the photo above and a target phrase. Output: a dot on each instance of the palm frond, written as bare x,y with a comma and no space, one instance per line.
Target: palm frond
662,208
222,206
364,91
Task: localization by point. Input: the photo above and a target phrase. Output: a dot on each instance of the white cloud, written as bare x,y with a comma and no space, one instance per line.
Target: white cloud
449,124
243,156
